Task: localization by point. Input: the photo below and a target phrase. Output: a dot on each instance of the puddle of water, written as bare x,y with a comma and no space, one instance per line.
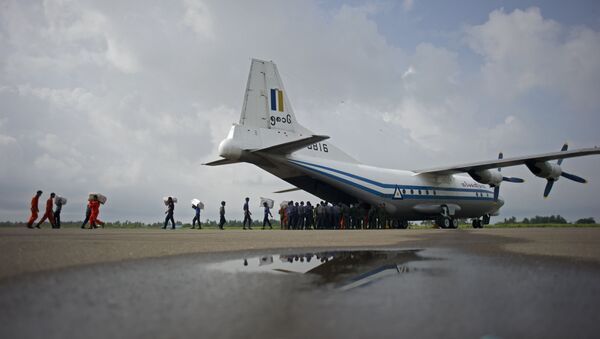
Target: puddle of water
344,270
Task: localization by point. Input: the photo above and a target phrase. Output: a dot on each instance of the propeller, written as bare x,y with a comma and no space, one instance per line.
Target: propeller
508,179
569,176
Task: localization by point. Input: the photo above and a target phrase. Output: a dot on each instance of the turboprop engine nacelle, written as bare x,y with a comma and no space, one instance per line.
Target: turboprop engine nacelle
487,177
545,170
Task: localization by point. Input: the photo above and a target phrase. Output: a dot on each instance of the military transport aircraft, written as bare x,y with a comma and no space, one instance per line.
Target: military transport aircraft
269,136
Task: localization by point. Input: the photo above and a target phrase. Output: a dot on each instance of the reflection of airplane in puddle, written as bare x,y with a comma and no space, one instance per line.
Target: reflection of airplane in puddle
344,270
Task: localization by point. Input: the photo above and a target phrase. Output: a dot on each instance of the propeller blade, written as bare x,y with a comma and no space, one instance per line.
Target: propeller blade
548,187
564,148
573,177
496,192
513,179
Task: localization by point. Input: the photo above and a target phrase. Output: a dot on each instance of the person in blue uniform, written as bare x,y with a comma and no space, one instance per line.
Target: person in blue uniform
196,217
247,215
169,213
268,214
222,220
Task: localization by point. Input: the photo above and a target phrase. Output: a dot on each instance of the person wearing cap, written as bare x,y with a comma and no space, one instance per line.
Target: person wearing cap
267,214
247,215
169,213
48,214
34,209
196,217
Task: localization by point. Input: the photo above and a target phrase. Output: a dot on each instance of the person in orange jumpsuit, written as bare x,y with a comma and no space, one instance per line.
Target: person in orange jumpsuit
95,206
49,214
34,209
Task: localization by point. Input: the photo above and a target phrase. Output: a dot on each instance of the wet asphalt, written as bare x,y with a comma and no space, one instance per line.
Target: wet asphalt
435,290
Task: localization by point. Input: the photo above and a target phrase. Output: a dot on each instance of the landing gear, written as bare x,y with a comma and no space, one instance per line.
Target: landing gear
486,219
402,224
477,223
454,223
444,222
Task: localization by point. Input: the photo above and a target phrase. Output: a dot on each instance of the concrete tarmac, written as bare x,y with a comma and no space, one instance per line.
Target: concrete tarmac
490,283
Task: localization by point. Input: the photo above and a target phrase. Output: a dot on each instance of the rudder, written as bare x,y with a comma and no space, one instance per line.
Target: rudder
266,104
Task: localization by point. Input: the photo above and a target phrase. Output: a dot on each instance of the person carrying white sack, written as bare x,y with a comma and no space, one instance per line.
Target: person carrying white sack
197,206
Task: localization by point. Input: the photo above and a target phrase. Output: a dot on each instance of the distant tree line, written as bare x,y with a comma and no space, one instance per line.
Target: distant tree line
553,219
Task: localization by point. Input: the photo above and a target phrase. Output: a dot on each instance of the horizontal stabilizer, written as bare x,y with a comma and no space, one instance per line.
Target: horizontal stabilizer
292,146
220,162
288,190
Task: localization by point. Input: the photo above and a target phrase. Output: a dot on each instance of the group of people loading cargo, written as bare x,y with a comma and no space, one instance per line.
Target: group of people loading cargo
293,215
53,216
300,216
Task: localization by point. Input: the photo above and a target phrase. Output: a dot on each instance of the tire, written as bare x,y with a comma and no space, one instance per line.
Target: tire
476,223
454,223
444,222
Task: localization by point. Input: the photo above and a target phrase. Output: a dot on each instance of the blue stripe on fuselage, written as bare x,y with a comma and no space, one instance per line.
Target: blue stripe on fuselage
384,195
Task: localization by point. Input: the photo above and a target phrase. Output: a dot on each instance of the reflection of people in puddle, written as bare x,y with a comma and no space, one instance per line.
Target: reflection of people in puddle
245,262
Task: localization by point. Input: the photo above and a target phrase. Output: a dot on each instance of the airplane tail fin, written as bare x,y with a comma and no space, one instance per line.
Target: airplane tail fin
268,125
266,104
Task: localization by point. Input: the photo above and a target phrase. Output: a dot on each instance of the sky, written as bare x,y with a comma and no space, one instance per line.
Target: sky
129,98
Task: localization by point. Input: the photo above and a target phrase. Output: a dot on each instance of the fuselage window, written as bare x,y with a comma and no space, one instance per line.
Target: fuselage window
426,192
419,192
403,191
412,192
434,193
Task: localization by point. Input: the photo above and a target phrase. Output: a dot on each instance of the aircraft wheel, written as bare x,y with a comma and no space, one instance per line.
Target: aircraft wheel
454,223
444,222
476,223
403,224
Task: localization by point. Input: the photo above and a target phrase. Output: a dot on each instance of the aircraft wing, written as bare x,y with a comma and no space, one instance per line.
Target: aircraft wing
483,165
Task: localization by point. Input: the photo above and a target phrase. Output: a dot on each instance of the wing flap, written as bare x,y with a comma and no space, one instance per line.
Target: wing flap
507,162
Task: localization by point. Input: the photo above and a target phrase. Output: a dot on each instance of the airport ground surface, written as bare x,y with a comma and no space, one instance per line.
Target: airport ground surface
500,283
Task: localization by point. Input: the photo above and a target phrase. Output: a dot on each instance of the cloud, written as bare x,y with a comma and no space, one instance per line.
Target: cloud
130,98
524,52
198,17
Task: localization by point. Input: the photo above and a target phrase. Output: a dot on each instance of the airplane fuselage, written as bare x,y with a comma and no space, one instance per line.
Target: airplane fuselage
406,195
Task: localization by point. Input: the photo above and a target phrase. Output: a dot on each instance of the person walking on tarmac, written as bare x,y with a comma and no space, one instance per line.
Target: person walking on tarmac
34,209
95,211
59,205
247,215
48,214
222,220
282,216
196,217
169,213
267,214
88,213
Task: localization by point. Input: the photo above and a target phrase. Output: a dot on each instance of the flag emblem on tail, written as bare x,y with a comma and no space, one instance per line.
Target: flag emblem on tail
276,100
